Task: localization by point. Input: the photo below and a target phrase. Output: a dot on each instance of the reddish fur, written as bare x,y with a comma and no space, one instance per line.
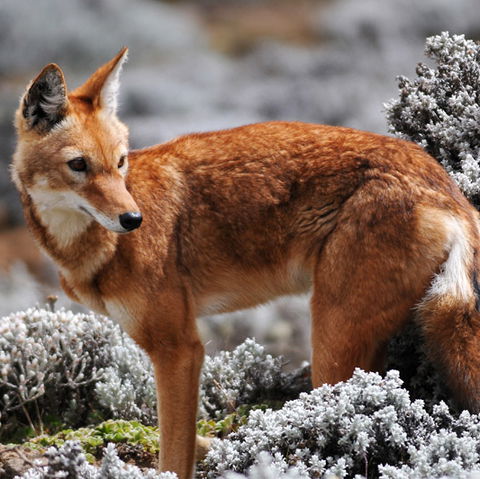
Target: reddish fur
450,327
245,215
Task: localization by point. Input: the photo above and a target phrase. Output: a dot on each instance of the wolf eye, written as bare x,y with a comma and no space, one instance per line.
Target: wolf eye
121,162
77,164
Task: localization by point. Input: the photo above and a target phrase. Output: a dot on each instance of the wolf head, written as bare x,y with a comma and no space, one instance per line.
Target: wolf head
72,152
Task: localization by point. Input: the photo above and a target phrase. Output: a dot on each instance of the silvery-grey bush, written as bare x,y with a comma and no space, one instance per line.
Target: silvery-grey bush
127,386
69,364
367,426
267,468
69,462
364,427
229,379
49,364
440,109
233,378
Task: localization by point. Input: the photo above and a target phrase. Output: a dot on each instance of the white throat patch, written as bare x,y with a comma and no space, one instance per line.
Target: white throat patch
60,214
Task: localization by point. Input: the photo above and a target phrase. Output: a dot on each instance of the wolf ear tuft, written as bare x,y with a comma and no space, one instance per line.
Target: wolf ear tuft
102,87
108,96
45,103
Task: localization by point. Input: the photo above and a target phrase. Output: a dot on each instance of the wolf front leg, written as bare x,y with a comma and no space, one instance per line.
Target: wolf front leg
177,370
175,349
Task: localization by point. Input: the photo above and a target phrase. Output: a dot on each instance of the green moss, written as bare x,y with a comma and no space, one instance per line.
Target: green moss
211,428
94,439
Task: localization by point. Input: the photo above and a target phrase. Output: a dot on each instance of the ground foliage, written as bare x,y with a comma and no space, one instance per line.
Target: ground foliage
69,462
50,363
59,369
95,438
367,425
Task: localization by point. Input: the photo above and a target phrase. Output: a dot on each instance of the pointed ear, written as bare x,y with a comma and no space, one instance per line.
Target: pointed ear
102,87
45,103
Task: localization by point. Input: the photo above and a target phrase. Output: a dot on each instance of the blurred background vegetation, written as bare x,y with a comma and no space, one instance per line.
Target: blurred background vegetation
210,64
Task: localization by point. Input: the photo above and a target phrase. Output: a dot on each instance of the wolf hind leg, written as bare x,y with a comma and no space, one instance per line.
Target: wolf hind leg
364,291
342,340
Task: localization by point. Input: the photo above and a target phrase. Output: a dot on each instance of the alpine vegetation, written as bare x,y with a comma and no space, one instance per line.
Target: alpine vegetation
245,376
49,364
68,365
70,462
73,365
364,427
231,379
127,387
266,468
440,109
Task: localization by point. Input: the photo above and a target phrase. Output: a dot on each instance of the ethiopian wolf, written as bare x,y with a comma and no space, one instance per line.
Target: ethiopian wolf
218,221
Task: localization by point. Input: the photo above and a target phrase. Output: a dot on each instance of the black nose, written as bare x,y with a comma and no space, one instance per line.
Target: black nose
130,220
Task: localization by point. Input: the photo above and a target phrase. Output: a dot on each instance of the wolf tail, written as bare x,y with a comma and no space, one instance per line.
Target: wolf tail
450,319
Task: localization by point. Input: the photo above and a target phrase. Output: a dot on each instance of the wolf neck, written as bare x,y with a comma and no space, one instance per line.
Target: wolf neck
77,243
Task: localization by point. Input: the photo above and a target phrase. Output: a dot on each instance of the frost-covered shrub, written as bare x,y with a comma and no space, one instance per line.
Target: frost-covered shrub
241,376
127,387
51,362
246,375
440,108
69,462
64,462
68,365
366,426
267,468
